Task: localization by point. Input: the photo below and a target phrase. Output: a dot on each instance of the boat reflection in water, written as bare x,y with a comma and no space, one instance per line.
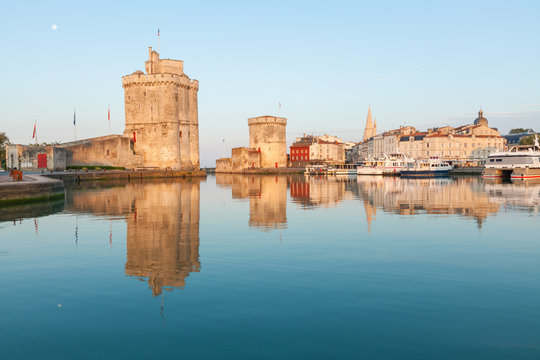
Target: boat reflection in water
469,197
162,220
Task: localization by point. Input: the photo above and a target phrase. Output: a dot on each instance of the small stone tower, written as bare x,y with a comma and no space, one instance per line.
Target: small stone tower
267,135
162,114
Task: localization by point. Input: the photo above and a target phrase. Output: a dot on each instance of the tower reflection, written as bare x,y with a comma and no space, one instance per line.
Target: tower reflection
162,227
267,198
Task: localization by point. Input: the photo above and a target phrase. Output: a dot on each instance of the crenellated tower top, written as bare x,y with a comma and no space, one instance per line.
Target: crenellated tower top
267,119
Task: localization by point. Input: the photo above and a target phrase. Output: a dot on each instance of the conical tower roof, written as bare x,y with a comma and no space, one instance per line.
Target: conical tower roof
369,121
368,130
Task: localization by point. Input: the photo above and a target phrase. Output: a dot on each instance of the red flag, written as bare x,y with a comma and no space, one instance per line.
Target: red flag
134,137
109,113
34,133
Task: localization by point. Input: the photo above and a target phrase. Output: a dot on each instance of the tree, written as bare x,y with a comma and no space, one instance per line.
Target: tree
519,131
4,140
527,140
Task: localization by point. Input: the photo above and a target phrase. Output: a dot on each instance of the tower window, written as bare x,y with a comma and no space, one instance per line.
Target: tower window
180,134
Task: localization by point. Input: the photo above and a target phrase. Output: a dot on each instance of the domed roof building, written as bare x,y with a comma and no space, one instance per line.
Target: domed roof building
480,120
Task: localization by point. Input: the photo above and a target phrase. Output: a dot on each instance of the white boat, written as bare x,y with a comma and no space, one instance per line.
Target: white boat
331,169
369,167
520,162
432,167
343,169
392,164
315,170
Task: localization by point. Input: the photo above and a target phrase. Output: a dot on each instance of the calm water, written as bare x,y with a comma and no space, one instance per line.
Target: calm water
268,267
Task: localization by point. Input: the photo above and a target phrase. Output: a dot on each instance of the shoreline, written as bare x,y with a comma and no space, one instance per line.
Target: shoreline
48,187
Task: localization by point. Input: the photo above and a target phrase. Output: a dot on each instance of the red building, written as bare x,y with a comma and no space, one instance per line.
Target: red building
300,154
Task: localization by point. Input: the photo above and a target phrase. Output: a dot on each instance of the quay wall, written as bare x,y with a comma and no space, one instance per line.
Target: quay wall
77,176
32,188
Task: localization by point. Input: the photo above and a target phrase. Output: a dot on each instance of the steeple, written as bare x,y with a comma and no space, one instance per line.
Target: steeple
368,130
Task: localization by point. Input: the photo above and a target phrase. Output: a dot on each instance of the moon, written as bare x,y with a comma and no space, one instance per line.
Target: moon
54,26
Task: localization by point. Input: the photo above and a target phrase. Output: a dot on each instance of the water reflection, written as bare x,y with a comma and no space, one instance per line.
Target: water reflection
314,191
162,226
468,197
463,196
267,198
32,210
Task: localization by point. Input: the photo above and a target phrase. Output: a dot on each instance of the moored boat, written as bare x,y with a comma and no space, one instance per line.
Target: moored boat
432,167
369,167
520,162
391,165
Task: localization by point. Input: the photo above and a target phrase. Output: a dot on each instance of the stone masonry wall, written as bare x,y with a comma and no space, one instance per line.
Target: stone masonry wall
161,114
112,150
267,134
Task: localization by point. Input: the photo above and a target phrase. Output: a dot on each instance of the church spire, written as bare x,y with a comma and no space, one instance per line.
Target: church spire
368,130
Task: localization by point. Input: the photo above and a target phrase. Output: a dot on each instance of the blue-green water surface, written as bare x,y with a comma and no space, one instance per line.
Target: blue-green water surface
275,267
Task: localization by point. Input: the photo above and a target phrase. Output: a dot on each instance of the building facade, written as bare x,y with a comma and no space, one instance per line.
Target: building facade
468,142
267,147
322,149
162,114
161,127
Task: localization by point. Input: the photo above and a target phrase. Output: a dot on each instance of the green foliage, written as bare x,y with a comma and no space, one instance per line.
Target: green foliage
54,143
81,167
527,140
4,140
519,131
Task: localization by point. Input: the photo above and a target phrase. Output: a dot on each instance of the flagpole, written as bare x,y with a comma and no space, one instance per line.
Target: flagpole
109,117
74,125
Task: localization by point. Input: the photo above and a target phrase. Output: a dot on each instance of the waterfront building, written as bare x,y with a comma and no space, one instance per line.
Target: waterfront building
162,114
349,151
468,142
312,149
377,146
161,127
267,147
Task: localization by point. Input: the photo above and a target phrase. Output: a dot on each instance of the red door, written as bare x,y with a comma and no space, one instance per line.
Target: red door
42,161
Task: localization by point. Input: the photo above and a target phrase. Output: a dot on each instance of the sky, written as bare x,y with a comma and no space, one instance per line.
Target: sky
419,63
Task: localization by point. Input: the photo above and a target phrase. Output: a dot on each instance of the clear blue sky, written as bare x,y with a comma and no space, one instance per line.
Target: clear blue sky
420,63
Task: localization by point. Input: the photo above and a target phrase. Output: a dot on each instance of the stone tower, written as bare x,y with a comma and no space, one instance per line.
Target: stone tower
162,115
267,135
371,129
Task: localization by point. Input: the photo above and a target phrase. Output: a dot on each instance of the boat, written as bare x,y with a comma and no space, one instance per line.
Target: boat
369,167
343,169
432,167
392,164
315,170
520,162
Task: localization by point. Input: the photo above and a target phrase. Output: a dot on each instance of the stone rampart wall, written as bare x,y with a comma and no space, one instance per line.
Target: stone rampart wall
113,150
